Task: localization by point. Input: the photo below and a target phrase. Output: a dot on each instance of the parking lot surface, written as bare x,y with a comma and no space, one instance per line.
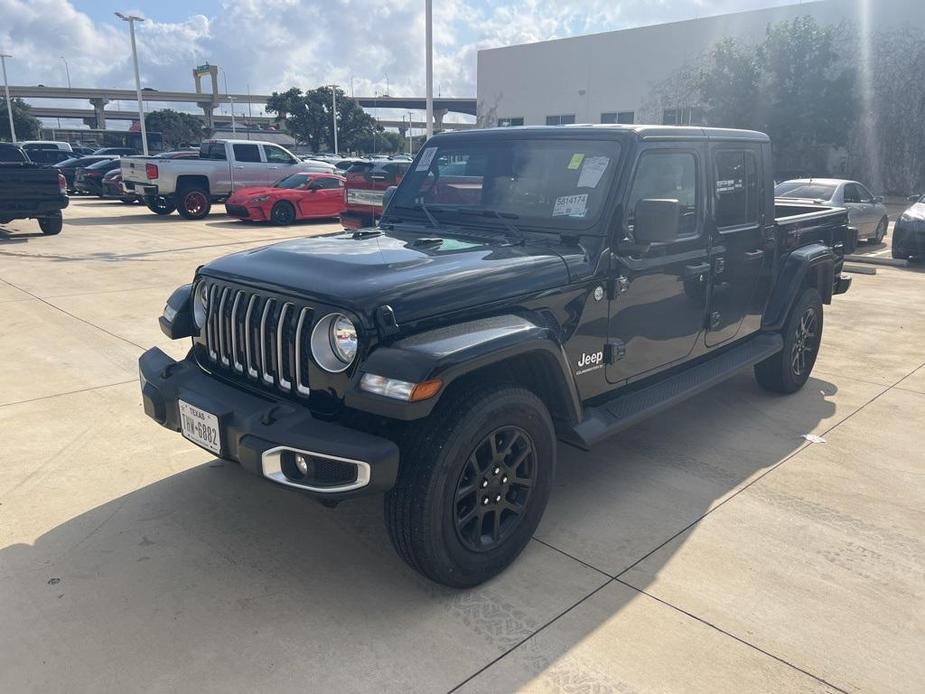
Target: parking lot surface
711,549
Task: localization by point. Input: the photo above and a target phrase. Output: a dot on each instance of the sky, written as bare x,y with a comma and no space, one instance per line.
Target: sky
362,45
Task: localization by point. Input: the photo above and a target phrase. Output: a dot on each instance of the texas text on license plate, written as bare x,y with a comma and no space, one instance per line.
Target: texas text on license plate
200,427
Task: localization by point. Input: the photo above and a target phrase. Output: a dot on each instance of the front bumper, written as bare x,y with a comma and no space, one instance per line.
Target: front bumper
254,214
253,429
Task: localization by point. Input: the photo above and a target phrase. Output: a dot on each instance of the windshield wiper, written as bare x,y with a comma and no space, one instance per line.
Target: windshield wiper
423,208
504,217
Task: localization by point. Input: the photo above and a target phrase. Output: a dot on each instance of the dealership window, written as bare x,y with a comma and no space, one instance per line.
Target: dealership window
567,119
246,153
736,188
627,117
510,122
688,115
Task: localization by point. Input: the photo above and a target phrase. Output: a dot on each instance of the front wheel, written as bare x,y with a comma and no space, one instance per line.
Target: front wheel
282,214
473,484
51,225
194,203
788,370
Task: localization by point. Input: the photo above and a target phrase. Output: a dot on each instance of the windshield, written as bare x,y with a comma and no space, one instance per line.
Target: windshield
294,181
804,190
555,183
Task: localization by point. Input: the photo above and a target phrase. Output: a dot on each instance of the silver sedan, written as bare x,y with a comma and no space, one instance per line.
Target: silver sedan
865,211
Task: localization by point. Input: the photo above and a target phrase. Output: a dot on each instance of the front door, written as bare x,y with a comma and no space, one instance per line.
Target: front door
659,294
738,257
324,199
279,164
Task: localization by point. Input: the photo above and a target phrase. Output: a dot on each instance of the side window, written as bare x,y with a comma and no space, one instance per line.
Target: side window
249,153
737,188
275,155
851,193
666,175
216,150
324,183
864,194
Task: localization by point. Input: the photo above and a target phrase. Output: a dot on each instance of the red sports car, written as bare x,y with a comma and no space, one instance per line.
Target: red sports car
301,195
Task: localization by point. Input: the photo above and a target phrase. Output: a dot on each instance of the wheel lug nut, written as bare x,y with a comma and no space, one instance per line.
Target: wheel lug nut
485,501
498,499
484,484
504,480
496,470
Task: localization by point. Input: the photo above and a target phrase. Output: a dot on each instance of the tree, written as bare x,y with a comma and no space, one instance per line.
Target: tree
28,127
179,129
729,85
308,117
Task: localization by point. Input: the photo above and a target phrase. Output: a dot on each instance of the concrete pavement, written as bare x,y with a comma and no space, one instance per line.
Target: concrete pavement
712,549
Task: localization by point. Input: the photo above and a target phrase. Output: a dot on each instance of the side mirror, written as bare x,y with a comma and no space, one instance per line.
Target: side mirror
656,220
387,196
878,198
914,198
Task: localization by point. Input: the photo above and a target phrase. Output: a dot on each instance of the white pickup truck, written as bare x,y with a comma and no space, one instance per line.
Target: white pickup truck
190,186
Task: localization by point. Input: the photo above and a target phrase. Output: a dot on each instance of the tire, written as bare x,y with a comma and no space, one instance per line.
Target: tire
282,214
898,253
451,464
161,206
788,370
193,202
881,231
51,225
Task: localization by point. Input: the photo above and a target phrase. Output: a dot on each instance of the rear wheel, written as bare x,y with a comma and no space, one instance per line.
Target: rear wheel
193,202
161,205
51,225
282,214
788,370
473,484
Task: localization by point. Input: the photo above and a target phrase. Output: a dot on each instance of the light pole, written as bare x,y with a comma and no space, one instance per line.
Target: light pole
67,72
9,104
334,113
131,19
429,40
410,132
230,99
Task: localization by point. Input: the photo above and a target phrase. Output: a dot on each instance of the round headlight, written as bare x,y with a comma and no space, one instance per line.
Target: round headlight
200,304
334,342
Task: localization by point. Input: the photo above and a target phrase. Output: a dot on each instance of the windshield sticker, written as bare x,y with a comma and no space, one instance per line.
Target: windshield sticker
426,158
571,205
592,171
576,161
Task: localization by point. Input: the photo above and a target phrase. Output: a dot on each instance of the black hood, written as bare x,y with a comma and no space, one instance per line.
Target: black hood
417,275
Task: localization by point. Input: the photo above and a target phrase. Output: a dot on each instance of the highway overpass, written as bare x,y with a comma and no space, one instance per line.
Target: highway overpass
98,98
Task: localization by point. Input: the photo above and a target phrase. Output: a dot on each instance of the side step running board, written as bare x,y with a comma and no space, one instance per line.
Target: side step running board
623,411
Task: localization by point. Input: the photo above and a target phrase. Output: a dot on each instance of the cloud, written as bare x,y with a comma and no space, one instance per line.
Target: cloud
275,44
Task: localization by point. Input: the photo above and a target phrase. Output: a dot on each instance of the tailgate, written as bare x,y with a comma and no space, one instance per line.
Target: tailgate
22,186
133,168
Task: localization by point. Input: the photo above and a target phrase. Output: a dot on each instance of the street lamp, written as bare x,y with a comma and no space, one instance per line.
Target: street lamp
9,104
67,72
230,99
429,41
334,113
131,19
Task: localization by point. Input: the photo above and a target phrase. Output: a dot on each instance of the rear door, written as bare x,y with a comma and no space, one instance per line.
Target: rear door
739,226
659,298
248,168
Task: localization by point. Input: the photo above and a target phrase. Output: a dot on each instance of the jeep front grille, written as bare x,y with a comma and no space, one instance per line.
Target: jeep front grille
260,338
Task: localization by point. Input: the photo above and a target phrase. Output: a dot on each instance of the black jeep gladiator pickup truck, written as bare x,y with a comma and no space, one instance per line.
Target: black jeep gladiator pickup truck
29,190
523,286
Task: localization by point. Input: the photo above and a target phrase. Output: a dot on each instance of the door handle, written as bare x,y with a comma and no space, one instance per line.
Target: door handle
754,255
696,270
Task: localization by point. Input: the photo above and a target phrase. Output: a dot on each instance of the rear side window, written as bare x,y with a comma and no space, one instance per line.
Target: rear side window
213,150
250,153
328,183
736,196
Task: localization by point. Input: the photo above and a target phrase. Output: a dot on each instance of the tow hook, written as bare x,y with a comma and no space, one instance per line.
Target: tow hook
275,413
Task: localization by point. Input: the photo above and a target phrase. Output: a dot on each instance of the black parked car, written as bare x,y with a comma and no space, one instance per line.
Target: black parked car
48,156
68,168
909,231
29,190
117,151
558,283
89,179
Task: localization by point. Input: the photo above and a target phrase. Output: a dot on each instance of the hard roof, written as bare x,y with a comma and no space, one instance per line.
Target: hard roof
645,132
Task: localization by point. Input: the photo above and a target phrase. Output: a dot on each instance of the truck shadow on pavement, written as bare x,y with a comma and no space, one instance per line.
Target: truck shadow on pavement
211,575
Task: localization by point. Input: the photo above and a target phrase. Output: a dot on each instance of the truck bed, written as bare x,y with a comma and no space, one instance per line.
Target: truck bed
801,223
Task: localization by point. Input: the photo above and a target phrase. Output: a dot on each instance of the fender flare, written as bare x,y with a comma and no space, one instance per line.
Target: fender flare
452,352
814,262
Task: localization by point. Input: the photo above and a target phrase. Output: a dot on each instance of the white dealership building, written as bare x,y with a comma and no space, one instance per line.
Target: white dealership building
620,76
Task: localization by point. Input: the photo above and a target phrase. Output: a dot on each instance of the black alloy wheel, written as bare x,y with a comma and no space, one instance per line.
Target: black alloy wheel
805,342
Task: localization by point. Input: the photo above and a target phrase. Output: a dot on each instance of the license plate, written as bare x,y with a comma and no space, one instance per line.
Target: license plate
200,427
